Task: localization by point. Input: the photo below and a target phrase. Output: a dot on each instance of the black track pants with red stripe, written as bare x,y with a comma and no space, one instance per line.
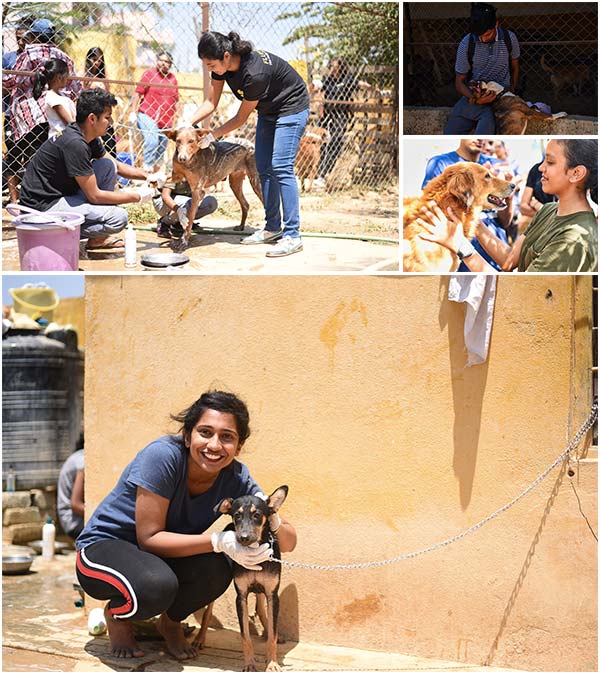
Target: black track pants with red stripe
139,585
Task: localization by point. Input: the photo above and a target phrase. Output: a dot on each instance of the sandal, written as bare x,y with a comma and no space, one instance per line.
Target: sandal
110,243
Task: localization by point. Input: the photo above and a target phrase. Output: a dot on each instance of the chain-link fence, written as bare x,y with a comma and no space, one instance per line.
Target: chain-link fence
352,134
559,51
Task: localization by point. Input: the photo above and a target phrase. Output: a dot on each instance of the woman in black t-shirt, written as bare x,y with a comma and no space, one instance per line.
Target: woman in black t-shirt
267,83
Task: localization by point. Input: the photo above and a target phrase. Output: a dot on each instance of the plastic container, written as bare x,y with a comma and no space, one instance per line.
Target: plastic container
48,538
125,158
130,247
96,622
35,302
47,241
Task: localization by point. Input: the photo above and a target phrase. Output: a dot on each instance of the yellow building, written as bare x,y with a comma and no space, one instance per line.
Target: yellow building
361,402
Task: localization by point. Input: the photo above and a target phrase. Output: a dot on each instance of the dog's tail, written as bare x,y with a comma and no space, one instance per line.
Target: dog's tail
544,65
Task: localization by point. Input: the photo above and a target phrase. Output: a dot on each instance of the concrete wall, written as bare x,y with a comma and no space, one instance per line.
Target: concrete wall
431,121
361,403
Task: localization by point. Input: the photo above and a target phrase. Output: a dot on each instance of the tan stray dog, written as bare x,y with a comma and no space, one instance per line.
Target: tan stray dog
468,189
309,154
571,76
203,168
511,111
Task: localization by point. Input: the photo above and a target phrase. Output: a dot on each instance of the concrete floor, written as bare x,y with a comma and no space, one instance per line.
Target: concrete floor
211,253
43,630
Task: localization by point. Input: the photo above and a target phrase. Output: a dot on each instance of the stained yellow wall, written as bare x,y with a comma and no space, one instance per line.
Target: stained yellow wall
361,403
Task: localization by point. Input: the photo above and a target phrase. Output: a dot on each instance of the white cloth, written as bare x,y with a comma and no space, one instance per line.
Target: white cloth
52,100
479,293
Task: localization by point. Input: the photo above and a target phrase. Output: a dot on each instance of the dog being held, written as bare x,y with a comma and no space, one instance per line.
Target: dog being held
467,188
511,111
309,154
250,516
203,168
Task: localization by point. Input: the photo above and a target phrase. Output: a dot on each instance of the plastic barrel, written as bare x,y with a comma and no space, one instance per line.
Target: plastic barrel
46,244
42,407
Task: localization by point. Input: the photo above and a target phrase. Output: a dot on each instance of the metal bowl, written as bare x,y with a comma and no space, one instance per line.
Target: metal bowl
14,564
162,260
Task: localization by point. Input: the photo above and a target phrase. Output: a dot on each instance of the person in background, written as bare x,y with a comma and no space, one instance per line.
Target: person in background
70,494
60,110
154,108
510,166
175,200
96,68
534,196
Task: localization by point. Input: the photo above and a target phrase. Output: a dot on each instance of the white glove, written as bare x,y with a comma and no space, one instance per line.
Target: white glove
159,178
146,193
132,119
250,558
206,141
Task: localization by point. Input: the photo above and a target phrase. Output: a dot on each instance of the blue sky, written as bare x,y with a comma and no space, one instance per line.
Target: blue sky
65,285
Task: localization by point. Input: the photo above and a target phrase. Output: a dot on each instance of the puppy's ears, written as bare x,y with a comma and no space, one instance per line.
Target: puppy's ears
200,133
277,498
224,506
171,135
460,186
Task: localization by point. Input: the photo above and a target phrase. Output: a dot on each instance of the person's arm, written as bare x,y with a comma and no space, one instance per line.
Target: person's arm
130,172
236,121
287,537
529,204
167,198
460,82
77,495
95,195
514,74
210,104
63,113
506,256
134,106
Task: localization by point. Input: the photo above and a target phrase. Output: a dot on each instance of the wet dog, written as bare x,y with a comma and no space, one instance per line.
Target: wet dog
468,189
250,516
203,168
511,111
309,154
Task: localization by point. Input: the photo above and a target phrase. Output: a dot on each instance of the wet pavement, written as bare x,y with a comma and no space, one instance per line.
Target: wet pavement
218,251
43,630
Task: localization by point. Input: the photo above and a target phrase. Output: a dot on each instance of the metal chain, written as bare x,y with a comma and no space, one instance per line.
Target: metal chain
365,565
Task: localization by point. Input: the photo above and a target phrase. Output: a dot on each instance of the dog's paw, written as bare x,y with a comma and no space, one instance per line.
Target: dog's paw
180,245
250,667
238,228
558,115
273,667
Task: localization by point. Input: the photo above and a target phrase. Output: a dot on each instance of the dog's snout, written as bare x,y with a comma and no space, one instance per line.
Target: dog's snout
512,186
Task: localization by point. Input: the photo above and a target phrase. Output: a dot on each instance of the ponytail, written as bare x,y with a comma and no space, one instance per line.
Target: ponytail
46,73
213,45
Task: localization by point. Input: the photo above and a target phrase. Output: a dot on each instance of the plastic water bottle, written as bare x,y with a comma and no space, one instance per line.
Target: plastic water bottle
96,622
48,537
11,479
130,246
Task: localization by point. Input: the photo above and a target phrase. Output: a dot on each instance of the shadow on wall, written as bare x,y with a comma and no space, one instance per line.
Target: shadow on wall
468,388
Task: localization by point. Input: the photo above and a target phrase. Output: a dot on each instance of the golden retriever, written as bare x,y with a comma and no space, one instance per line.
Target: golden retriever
466,187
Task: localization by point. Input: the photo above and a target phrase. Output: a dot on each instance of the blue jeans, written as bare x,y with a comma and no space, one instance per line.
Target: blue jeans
155,143
465,115
276,147
99,220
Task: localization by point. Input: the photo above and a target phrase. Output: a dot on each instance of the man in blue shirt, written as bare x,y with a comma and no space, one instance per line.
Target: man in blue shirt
470,149
488,53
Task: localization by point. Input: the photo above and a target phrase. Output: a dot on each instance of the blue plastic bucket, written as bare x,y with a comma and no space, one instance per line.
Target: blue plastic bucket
125,158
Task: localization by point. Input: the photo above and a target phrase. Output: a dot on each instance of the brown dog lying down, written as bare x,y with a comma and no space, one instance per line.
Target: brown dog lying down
204,168
466,187
309,154
511,111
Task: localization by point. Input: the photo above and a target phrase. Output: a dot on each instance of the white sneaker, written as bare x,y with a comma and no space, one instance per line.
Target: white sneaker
261,236
286,246
319,182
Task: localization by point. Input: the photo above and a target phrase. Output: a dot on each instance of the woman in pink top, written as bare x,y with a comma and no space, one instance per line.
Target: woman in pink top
154,108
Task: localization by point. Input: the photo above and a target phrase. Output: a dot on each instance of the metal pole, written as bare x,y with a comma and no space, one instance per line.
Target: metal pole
205,73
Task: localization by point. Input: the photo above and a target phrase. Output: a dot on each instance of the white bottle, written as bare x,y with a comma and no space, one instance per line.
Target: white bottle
96,622
130,246
48,536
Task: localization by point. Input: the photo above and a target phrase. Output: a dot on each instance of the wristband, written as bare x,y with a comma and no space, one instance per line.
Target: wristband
466,249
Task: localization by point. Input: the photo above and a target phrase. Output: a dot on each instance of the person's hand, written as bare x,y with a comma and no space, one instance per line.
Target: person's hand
157,179
446,230
146,192
206,141
484,100
132,117
249,558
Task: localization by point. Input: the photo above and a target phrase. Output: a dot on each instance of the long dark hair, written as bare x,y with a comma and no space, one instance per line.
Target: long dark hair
95,53
583,152
46,74
213,45
221,401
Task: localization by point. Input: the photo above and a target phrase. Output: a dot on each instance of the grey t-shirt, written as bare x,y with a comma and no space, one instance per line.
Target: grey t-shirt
66,480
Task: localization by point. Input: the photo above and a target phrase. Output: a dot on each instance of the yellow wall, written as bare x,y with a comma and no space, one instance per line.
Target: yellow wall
360,402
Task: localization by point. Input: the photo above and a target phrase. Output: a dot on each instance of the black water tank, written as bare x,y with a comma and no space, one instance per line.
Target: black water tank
42,407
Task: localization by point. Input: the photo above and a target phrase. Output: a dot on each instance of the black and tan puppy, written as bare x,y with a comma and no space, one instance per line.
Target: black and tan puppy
203,168
250,516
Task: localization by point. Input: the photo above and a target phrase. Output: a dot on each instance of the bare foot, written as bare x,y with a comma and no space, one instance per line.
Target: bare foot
177,645
122,641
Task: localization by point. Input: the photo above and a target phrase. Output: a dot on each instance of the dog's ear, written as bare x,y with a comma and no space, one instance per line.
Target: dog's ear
277,498
200,133
460,187
224,506
171,135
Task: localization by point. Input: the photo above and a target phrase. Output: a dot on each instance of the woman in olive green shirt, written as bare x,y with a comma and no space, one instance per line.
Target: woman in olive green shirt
561,237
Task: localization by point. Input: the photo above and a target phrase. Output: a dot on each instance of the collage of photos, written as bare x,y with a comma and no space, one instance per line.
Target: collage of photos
250,423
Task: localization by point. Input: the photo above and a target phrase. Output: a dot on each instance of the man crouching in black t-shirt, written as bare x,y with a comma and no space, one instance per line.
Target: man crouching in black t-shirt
73,172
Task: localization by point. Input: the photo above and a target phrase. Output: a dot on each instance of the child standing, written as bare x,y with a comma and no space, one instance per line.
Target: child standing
60,110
